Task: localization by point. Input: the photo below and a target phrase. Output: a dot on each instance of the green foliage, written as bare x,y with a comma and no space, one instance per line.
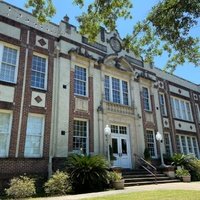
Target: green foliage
178,159
21,187
114,176
147,155
87,173
167,27
58,184
42,9
182,172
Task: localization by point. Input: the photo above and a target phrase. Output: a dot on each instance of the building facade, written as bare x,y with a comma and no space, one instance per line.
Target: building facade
58,92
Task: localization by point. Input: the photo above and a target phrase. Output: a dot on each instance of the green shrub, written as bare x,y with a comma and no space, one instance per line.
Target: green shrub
182,172
87,173
21,187
178,159
114,176
58,184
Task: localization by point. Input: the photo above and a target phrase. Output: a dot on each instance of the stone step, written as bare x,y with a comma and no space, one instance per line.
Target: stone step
150,182
142,175
145,179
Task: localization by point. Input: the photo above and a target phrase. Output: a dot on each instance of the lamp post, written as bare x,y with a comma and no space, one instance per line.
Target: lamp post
160,139
107,132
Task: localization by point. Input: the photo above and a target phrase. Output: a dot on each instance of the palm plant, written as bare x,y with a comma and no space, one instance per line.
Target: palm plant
87,173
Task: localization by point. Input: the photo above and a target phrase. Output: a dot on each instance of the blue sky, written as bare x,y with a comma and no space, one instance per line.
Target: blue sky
139,11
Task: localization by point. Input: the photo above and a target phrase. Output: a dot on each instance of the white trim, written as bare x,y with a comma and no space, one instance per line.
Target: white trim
149,99
164,104
120,91
9,130
86,82
46,70
2,45
42,136
87,133
155,144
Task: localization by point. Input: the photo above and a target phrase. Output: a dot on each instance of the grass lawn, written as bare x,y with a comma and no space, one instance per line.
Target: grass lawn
154,195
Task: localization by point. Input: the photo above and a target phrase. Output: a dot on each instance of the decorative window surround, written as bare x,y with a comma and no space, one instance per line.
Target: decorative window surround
181,109
146,99
34,136
162,104
9,57
116,90
80,136
151,143
187,145
39,72
5,130
80,81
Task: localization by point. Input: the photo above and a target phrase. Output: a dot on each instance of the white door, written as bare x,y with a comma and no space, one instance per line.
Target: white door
121,146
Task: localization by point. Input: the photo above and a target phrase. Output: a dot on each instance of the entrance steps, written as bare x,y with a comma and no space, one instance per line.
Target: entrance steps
142,177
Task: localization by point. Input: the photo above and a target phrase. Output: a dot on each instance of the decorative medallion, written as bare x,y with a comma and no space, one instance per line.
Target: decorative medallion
42,42
38,99
115,44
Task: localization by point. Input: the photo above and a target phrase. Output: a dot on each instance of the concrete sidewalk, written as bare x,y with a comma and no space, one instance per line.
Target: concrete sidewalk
166,186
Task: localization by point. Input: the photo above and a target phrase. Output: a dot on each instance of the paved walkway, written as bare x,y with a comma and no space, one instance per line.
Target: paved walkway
166,186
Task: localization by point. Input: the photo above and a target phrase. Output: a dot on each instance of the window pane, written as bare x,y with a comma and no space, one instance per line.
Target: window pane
167,144
4,133
190,150
107,88
34,134
151,143
122,130
124,146
184,146
8,64
162,104
116,90
80,81
188,111
195,146
125,92
114,129
80,136
178,146
145,95
114,145
38,73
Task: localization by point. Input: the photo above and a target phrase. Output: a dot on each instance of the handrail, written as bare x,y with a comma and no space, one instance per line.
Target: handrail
140,160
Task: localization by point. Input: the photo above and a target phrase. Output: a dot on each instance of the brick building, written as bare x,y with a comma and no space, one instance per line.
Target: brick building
58,92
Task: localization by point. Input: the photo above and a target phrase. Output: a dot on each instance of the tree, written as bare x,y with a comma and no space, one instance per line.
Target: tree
166,28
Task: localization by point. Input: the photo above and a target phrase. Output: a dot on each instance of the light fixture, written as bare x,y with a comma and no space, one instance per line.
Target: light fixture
107,132
159,139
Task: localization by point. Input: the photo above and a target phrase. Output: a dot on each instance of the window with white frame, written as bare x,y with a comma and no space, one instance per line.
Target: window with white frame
119,129
34,136
162,104
167,141
151,143
8,63
80,81
197,111
39,72
187,145
116,90
181,109
146,98
80,137
5,129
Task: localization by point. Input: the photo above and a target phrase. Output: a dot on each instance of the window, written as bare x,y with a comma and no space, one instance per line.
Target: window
80,81
8,64
151,143
39,72
116,90
167,141
5,129
162,104
187,145
119,129
80,137
197,111
146,100
181,109
34,136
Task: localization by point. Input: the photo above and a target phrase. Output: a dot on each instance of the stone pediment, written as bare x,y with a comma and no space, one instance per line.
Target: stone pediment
120,63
